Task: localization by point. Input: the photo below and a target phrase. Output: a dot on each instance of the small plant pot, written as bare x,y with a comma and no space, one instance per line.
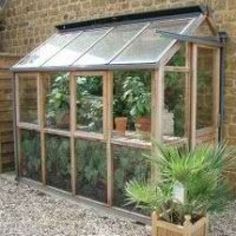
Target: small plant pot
120,125
163,228
63,121
143,124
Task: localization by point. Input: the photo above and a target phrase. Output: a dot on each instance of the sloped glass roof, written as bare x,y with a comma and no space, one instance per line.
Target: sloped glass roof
104,46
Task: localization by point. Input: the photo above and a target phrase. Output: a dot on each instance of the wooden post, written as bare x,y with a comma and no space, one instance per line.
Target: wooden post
187,226
187,91
194,56
154,218
72,131
109,118
41,115
17,121
157,111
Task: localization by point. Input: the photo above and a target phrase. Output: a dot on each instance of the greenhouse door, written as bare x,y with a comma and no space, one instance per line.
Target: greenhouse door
205,95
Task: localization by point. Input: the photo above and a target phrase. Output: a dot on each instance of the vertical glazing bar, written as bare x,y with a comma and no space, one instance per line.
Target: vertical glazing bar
194,56
187,91
72,131
15,132
17,129
216,93
109,98
41,115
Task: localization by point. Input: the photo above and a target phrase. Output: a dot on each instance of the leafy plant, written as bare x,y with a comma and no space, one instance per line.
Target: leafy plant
58,99
90,103
125,158
92,170
138,95
58,161
199,172
31,162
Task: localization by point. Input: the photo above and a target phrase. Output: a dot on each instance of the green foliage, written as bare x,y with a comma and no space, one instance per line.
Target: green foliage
132,94
92,170
30,145
175,99
58,98
90,103
125,159
199,171
58,156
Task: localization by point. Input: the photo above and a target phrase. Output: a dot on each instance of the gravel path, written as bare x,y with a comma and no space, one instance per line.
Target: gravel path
28,212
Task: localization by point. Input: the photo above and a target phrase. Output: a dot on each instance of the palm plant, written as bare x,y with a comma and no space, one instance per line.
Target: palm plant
198,174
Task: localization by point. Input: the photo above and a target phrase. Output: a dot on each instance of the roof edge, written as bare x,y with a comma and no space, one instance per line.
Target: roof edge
204,9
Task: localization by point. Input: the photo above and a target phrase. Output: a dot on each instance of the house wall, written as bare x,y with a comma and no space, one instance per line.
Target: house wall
29,22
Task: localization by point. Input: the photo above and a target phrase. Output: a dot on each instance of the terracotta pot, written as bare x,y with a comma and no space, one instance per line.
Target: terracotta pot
64,120
144,124
120,125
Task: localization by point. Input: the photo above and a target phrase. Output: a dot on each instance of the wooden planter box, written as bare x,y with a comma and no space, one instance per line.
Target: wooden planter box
163,228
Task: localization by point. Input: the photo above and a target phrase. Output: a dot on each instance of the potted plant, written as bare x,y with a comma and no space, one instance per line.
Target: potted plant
138,95
119,113
191,184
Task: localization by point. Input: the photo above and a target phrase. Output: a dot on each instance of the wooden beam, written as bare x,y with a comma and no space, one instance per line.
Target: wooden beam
17,94
109,119
157,113
187,92
177,68
28,126
72,131
58,132
41,114
194,56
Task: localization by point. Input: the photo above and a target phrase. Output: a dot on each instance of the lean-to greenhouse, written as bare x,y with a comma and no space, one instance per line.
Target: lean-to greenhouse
90,99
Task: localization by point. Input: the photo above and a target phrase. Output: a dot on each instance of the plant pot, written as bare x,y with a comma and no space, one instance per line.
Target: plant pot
163,228
120,125
63,121
143,124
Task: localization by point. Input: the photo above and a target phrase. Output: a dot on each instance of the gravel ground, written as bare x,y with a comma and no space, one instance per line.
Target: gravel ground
28,212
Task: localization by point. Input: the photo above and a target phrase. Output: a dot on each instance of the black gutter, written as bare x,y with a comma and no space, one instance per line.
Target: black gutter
134,17
223,39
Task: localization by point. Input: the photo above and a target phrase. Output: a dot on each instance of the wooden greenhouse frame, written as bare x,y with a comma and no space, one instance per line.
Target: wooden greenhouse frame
192,136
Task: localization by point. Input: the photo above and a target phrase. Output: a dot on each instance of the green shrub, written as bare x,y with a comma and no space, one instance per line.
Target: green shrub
198,172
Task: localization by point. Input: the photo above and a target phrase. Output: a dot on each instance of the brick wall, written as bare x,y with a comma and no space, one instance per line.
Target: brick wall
29,22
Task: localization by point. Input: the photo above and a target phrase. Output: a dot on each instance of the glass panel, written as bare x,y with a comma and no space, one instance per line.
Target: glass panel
174,109
132,105
47,50
28,99
76,48
58,162
30,164
148,47
57,101
91,169
179,59
103,51
205,71
90,103
129,163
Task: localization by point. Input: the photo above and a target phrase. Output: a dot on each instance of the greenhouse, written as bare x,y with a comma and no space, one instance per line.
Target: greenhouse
92,98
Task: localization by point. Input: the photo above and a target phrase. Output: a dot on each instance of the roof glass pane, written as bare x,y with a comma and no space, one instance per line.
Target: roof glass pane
76,48
150,45
106,49
47,49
